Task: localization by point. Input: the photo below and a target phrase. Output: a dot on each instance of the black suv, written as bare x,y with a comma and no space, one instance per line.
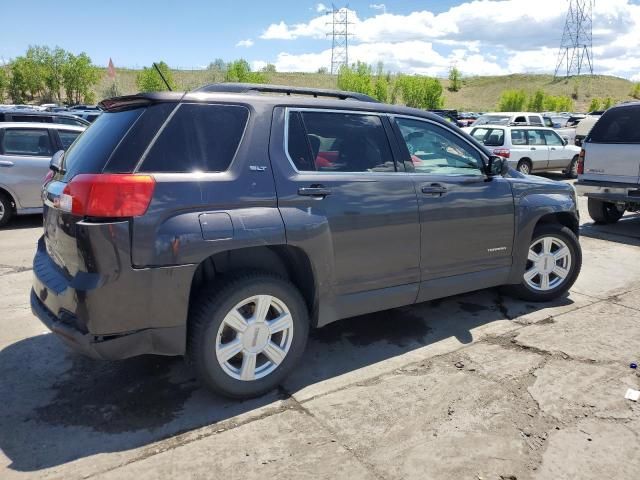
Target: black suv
223,223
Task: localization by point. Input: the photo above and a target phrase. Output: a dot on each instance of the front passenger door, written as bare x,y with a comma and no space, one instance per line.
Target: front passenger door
466,218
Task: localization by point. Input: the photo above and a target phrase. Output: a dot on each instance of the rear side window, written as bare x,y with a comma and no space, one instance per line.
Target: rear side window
69,121
535,120
26,141
618,125
31,118
67,137
198,137
93,149
338,142
518,137
491,137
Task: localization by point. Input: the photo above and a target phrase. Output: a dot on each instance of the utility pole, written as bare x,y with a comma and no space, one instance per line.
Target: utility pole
340,37
576,47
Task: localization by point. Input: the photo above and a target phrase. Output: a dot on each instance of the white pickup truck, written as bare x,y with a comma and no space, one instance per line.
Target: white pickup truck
609,164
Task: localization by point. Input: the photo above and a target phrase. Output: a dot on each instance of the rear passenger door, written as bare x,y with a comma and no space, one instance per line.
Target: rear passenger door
342,195
538,150
24,161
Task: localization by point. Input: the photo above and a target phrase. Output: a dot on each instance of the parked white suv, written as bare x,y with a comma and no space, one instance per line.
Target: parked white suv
529,149
25,152
609,166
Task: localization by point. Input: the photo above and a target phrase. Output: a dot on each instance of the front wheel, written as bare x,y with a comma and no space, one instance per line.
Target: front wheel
604,212
248,335
6,209
554,261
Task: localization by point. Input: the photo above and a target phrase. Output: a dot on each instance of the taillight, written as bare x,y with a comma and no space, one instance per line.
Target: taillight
47,178
502,152
581,162
108,195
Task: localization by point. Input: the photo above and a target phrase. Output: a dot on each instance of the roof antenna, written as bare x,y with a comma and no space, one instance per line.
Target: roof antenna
162,77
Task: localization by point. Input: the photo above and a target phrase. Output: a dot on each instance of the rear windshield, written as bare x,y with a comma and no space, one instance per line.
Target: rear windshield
491,137
492,119
618,125
90,153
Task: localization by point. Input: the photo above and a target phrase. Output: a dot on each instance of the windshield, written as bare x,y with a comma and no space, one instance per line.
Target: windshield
491,119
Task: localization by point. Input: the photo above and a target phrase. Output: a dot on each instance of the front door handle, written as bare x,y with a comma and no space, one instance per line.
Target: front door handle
553,148
434,189
6,163
533,148
318,191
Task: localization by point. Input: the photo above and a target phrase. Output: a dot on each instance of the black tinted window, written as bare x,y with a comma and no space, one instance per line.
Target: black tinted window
69,121
535,120
24,141
340,142
67,137
618,125
30,118
93,149
198,138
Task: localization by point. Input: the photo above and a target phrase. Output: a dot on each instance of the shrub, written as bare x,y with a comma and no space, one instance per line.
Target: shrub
512,101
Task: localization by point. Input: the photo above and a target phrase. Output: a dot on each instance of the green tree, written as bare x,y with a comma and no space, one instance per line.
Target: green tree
269,68
4,82
148,79
51,65
240,71
551,103
594,105
420,92
607,103
26,79
79,77
635,92
356,78
536,102
512,101
564,103
455,79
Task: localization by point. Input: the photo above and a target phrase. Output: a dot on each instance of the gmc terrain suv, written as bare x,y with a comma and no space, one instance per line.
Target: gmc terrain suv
609,165
224,223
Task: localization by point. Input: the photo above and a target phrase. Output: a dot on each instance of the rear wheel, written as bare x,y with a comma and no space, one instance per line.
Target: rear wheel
524,166
6,209
247,336
604,212
554,260
572,171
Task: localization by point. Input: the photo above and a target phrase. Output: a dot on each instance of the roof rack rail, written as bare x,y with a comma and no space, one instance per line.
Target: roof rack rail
281,89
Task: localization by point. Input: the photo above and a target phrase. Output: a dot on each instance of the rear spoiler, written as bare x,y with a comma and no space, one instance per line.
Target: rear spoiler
128,102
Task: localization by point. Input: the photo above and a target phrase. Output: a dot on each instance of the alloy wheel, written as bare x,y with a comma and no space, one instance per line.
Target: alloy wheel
548,264
254,337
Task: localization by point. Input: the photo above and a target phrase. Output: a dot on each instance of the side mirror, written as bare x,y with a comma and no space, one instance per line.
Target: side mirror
565,140
56,162
497,166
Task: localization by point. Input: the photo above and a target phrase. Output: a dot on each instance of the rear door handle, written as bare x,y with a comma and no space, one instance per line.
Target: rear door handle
6,163
553,148
319,191
434,189
533,148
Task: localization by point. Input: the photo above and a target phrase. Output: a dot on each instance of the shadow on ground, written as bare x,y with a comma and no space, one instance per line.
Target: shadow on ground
625,231
24,221
58,406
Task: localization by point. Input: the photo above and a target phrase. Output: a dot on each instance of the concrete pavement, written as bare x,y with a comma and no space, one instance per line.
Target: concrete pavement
473,386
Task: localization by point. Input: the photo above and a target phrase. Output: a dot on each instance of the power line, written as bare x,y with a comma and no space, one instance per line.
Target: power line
340,37
576,47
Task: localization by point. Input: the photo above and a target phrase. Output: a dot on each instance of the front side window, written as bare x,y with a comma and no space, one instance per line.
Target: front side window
553,139
199,137
338,142
437,151
26,141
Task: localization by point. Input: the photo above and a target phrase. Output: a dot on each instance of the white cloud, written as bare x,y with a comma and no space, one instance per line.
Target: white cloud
378,6
505,36
321,8
245,43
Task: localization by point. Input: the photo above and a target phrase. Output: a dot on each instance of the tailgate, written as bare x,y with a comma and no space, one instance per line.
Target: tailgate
612,162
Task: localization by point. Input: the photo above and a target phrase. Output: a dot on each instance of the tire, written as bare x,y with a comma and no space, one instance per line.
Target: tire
6,209
572,170
212,339
532,288
524,166
604,212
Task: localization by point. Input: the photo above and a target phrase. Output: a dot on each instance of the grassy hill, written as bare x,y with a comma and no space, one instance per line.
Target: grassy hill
477,93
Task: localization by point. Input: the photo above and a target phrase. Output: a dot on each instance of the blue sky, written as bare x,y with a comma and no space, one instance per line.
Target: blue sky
480,37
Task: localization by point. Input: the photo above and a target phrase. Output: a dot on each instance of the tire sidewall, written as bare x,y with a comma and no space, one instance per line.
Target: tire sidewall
569,238
8,210
204,354
527,163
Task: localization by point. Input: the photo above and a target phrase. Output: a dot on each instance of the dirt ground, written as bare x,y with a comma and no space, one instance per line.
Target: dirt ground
478,386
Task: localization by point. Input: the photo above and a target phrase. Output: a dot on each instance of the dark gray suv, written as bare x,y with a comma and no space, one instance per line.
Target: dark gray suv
224,223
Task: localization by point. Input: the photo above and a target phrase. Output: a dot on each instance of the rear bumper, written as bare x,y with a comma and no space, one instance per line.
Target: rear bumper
608,191
114,311
161,341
